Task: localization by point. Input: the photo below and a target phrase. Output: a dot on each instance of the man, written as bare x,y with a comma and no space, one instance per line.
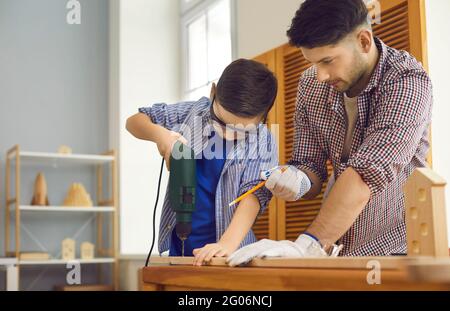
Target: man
367,108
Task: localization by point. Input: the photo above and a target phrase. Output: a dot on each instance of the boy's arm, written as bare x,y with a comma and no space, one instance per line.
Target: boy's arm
142,127
242,221
155,123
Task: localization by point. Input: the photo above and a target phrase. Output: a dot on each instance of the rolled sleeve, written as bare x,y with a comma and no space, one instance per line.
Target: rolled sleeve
262,194
394,136
308,153
252,173
168,115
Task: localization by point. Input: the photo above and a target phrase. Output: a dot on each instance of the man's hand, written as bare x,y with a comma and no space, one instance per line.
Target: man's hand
289,185
165,143
209,251
304,246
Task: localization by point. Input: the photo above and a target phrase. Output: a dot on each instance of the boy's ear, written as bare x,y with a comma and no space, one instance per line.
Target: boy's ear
213,91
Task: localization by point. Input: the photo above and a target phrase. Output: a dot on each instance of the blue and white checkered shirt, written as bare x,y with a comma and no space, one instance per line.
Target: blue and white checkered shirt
241,171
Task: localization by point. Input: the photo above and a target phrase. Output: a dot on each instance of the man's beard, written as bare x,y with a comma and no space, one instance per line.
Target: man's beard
357,74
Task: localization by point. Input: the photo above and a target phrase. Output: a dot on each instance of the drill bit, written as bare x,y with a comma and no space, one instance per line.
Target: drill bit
182,247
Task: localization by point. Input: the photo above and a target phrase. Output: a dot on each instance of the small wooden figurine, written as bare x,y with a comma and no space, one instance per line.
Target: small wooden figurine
87,250
64,149
34,256
40,191
77,196
68,249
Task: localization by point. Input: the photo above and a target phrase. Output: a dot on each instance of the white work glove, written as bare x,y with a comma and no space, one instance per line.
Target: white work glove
305,246
289,185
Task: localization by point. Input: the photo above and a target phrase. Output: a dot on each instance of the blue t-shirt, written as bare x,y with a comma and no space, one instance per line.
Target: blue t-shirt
203,218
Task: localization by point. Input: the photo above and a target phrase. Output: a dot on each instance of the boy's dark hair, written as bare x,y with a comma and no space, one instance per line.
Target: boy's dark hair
324,22
247,88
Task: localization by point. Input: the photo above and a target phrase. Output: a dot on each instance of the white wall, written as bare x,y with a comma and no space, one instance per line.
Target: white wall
262,24
53,91
144,70
438,27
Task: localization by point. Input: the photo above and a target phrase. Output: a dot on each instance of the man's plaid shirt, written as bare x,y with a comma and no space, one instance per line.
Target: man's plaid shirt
390,140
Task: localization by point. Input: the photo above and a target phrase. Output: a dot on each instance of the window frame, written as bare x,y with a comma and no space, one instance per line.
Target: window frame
189,13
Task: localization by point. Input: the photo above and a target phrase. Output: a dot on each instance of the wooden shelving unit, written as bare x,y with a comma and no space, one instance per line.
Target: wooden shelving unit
15,157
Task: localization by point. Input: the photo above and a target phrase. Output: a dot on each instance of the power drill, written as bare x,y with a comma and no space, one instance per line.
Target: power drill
182,183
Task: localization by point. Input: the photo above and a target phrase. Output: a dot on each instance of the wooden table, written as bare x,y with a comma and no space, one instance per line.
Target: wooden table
396,273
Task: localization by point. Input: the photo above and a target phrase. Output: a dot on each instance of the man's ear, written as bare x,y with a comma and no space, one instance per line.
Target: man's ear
213,91
365,40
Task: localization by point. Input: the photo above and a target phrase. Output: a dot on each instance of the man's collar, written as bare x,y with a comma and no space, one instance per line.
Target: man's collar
378,72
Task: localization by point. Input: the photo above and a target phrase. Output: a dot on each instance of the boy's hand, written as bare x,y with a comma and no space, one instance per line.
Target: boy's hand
209,251
165,143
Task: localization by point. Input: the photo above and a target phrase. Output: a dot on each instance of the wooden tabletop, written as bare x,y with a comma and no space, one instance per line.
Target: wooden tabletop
177,273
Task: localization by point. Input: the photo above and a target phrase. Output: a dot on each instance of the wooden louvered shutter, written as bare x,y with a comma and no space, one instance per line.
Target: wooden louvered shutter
293,217
403,27
266,224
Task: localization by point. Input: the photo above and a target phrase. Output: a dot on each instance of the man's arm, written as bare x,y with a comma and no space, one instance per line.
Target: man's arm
242,221
308,155
391,142
346,200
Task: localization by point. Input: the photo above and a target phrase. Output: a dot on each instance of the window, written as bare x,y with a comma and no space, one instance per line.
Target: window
207,45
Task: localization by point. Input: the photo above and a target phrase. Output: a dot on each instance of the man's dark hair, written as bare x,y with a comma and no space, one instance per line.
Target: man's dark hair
324,22
247,88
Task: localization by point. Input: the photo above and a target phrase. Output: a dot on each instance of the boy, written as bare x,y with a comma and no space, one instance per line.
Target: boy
231,146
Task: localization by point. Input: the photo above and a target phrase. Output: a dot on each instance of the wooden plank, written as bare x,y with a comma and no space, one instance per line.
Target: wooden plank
256,278
436,270
183,261
386,263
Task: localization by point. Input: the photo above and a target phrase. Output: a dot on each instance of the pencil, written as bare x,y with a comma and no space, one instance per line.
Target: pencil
258,186
248,192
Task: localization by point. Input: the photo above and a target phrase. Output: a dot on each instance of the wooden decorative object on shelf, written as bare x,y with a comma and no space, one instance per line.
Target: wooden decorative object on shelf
87,250
68,249
77,196
63,149
34,256
40,196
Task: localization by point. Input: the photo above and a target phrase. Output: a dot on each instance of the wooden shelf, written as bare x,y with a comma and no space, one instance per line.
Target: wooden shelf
105,226
57,158
91,209
63,261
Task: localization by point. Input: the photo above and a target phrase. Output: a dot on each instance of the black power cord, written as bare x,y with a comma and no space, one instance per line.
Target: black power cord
154,213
